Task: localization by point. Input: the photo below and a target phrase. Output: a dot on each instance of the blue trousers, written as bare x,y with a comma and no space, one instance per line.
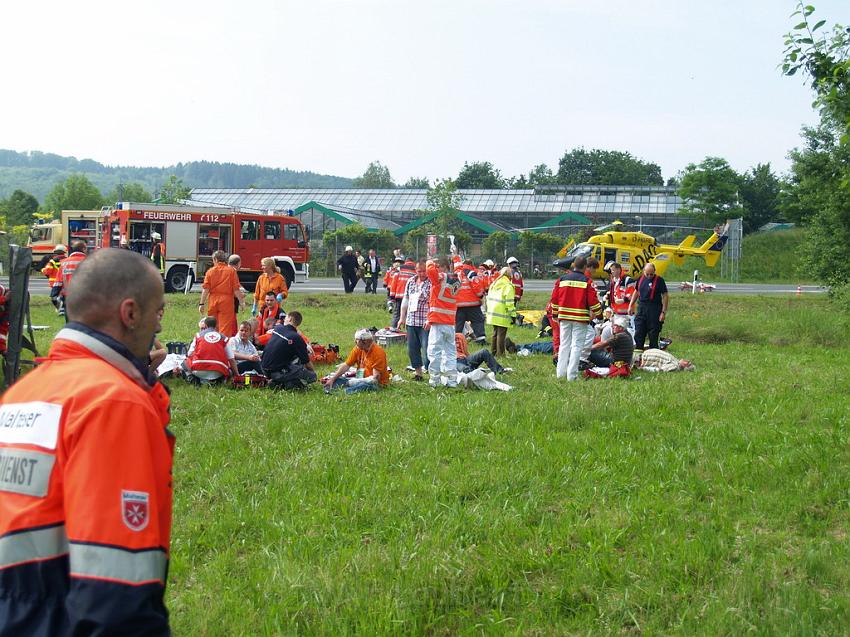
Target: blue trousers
417,346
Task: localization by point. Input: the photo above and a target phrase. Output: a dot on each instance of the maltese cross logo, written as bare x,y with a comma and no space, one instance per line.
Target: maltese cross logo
134,507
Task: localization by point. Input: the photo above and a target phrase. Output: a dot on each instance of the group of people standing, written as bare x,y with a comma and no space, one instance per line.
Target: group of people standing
574,304
353,266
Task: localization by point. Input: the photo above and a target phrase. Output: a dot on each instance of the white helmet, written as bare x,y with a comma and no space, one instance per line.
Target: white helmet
512,260
489,263
156,236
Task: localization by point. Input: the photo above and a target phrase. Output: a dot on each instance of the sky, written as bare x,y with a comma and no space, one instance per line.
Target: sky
421,86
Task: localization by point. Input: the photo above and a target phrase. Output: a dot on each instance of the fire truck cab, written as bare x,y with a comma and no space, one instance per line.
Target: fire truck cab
191,235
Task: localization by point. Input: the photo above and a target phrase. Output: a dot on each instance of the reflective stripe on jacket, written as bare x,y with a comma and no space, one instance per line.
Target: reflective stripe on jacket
470,292
442,306
405,272
67,268
574,298
501,308
51,271
209,353
85,493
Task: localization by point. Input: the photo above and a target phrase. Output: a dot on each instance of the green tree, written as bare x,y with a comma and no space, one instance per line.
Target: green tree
417,183
606,167
130,192
479,175
824,57
541,175
376,176
19,209
759,192
538,247
497,245
818,192
74,193
710,189
173,191
444,199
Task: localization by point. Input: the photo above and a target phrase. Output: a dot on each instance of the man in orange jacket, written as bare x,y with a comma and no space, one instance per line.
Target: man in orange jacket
85,466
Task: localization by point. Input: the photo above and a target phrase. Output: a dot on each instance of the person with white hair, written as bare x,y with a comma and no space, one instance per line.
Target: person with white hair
621,345
348,266
370,362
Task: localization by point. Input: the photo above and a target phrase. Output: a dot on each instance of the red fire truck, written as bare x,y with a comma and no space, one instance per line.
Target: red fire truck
192,234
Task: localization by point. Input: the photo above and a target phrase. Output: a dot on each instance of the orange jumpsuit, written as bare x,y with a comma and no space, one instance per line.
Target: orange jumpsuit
222,282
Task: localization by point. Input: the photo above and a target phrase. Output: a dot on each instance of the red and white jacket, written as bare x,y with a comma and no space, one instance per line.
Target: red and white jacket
209,353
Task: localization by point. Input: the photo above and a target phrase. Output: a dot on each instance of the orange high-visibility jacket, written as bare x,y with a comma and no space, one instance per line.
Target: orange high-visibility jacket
51,271
389,278
405,272
470,292
85,493
67,268
442,305
265,284
620,292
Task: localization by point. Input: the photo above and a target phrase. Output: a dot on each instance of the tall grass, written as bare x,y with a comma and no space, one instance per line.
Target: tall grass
713,502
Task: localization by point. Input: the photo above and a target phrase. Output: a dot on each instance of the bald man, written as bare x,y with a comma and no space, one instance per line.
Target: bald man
85,466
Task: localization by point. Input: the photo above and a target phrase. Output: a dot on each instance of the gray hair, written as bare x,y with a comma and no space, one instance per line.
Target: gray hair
363,335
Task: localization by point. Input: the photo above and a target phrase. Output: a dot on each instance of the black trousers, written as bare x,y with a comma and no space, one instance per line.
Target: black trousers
475,317
349,280
476,359
371,283
648,322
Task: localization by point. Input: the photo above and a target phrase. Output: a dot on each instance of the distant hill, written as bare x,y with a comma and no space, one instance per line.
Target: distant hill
36,172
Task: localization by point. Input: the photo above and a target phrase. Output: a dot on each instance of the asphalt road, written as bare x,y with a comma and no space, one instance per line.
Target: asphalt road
39,287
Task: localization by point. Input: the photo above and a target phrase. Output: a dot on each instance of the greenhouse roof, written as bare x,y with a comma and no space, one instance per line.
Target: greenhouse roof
555,200
349,216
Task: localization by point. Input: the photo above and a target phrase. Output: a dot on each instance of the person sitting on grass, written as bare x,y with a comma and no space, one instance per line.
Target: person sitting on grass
244,353
370,361
209,358
270,315
621,345
657,360
466,362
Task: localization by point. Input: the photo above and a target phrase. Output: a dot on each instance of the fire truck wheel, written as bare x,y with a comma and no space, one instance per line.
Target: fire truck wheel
175,280
288,274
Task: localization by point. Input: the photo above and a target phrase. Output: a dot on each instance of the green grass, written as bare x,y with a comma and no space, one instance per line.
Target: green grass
710,503
766,257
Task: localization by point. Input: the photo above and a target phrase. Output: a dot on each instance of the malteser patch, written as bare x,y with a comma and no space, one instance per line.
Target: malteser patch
34,423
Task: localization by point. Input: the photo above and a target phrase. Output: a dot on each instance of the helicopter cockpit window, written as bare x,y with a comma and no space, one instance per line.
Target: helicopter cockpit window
581,250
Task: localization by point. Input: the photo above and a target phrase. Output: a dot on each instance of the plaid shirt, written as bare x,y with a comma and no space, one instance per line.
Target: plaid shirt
417,316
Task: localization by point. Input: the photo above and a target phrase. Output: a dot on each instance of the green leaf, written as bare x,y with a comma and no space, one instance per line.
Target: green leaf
793,56
802,25
808,10
818,25
807,41
792,71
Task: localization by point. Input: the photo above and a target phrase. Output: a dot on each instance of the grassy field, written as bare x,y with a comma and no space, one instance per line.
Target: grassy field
711,503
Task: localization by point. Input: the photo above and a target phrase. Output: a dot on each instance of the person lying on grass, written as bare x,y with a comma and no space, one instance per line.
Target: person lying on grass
656,360
370,362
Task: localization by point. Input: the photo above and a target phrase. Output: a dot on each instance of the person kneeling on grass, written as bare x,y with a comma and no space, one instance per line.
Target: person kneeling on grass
620,343
286,360
466,362
210,356
370,361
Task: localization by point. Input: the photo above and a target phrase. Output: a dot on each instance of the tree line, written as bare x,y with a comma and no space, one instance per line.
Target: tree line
37,172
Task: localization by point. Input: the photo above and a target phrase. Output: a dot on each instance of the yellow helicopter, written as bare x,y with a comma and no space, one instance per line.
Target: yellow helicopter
633,250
